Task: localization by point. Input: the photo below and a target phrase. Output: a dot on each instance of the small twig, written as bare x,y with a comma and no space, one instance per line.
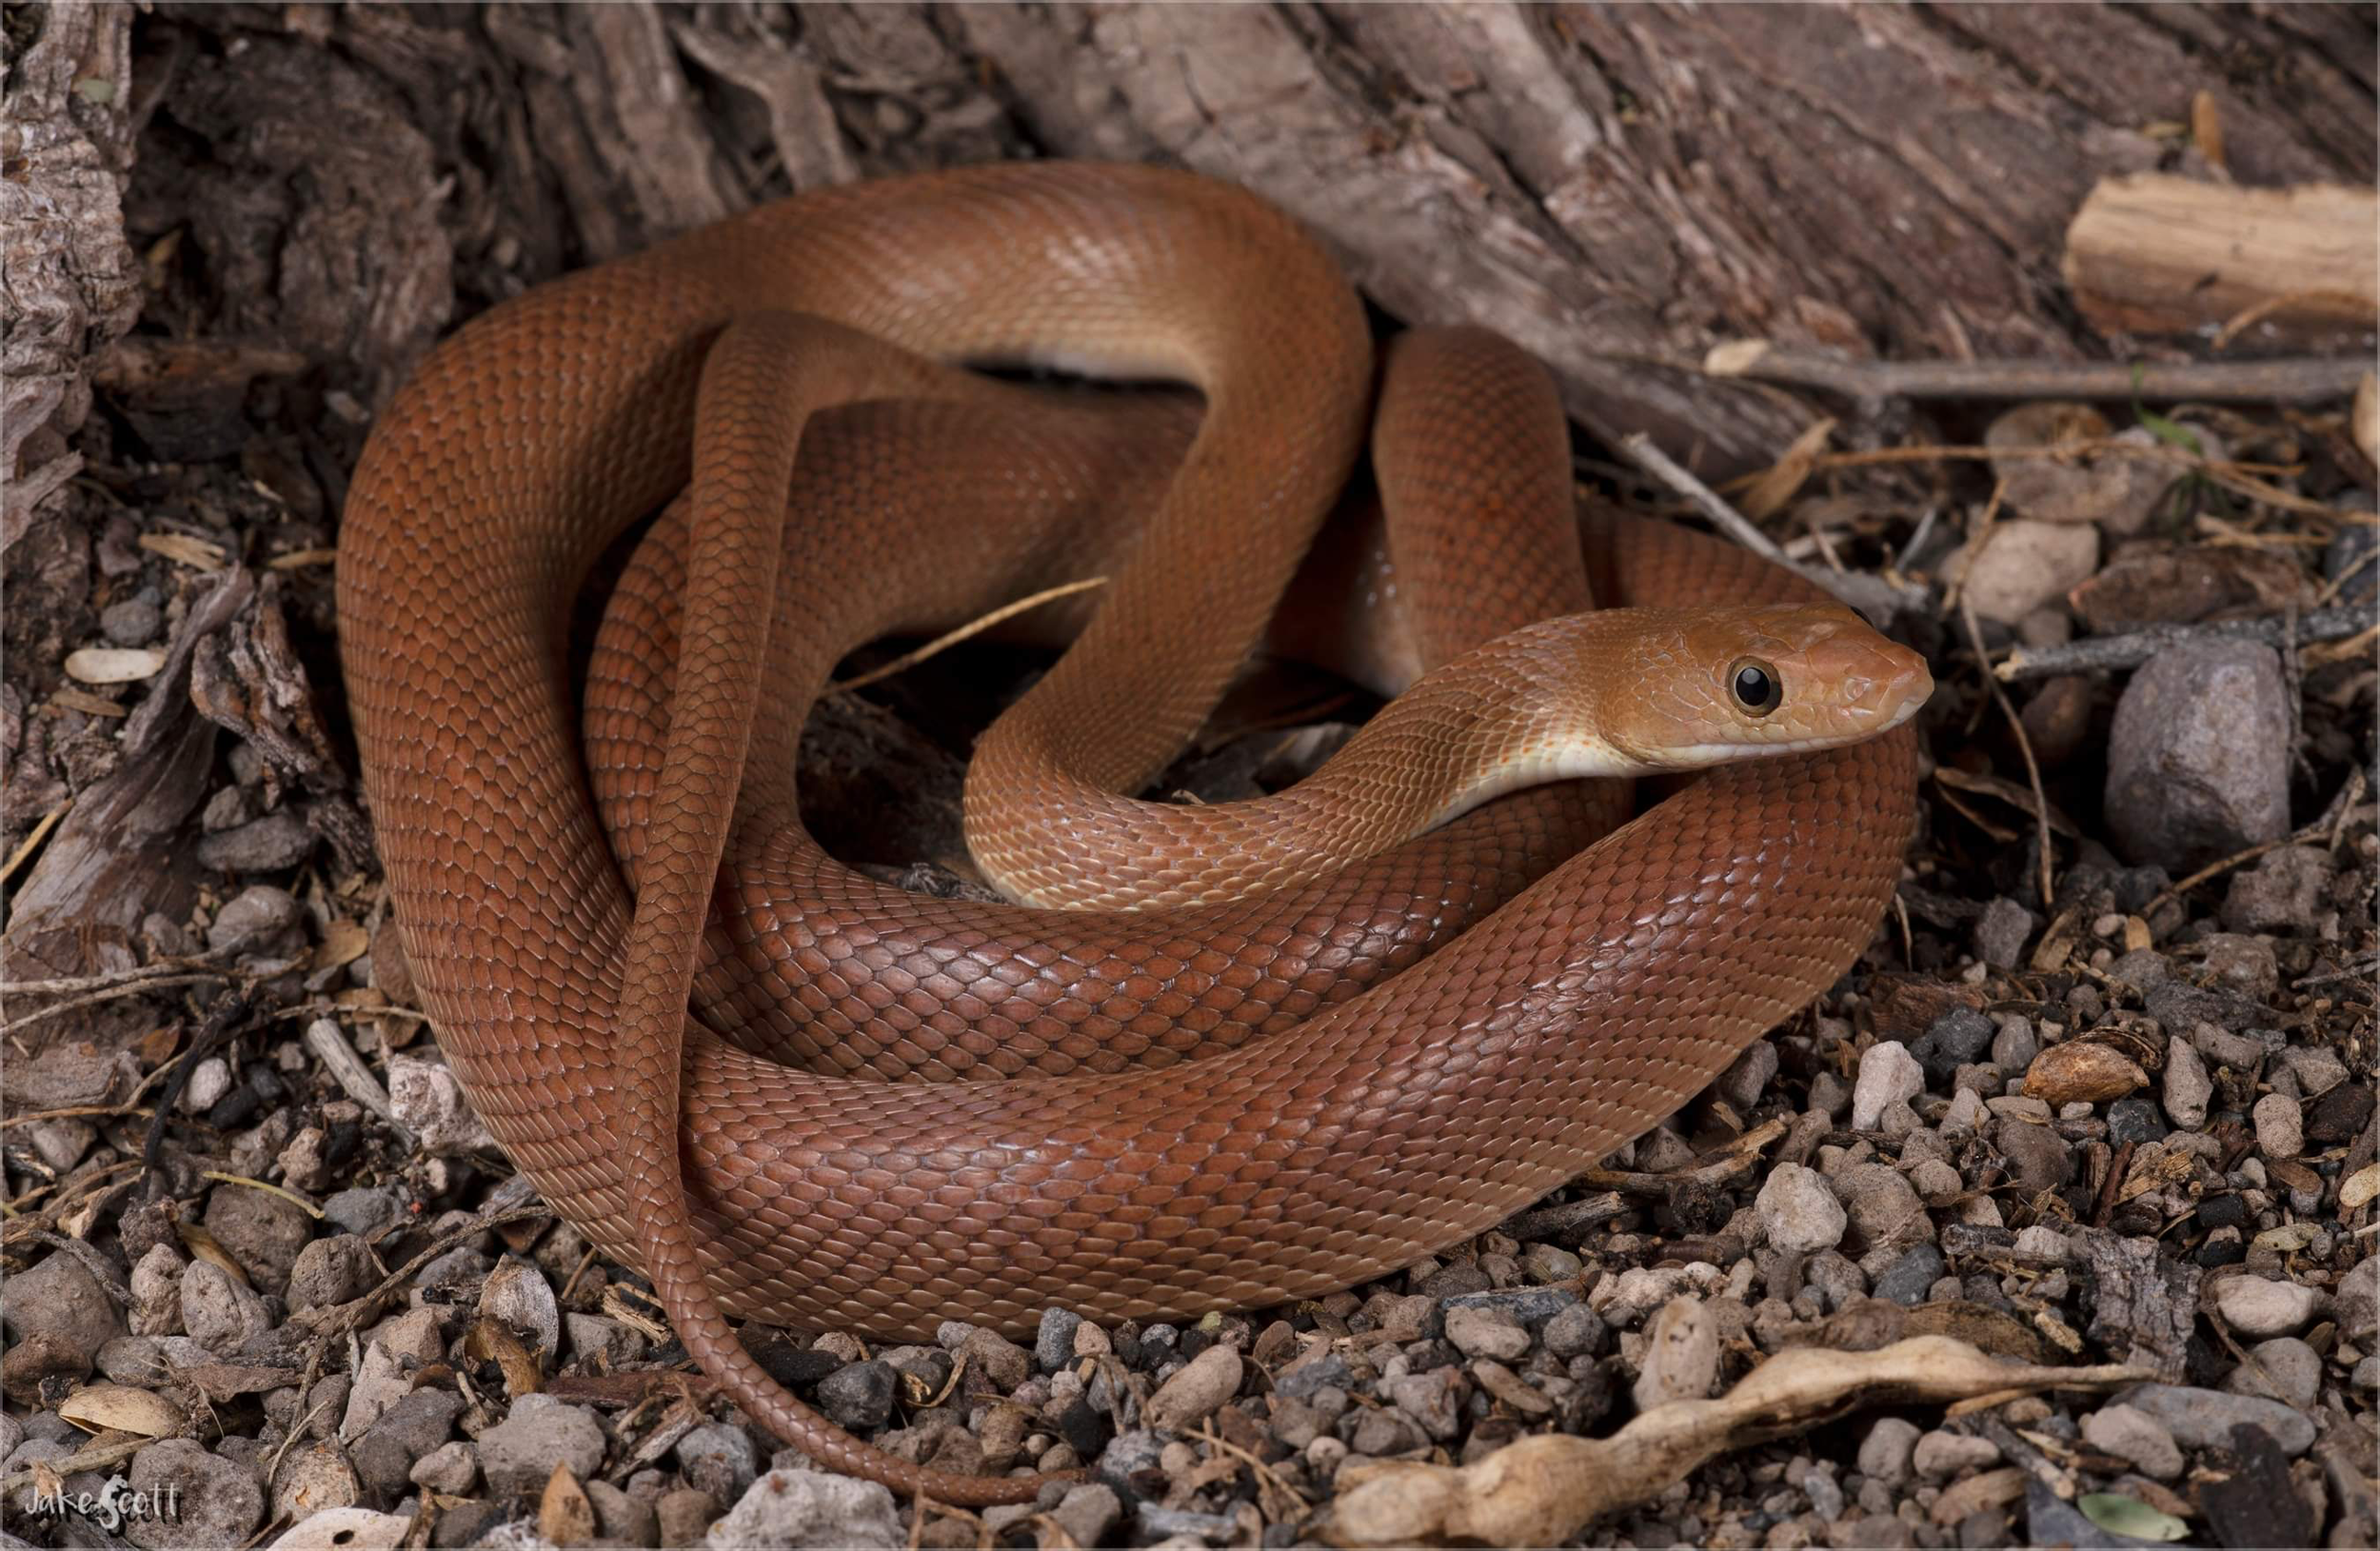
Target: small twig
347,1316
1706,501
96,1458
2298,380
2107,653
2024,746
974,626
139,987
291,1197
32,843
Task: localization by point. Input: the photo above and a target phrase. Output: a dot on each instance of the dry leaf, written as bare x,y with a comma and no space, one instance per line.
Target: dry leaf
489,1340
99,1408
564,1517
1770,492
203,1244
2359,1187
343,942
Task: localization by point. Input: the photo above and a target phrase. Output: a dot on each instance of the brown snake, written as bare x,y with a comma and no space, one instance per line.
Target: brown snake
1212,1101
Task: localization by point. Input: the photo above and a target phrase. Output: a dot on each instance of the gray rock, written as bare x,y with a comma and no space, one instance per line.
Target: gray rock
59,1297
2014,1045
2136,1438
993,1355
428,1101
799,1510
518,1454
220,1314
1742,1082
2187,1087
407,1432
2359,1302
1198,1391
719,1460
2199,755
2260,1307
1942,1455
1053,1344
2280,1125
1547,1264
132,621
1887,1453
331,1271
1478,1332
220,1503
278,840
597,1339
1950,1042
1886,1215
2203,1419
1888,1074
2038,1156
1431,1401
1530,1307
450,1468
1909,1280
1088,1513
1576,1332
1799,1212
364,1211
254,918
857,1396
681,1516
2283,1369
2282,892
2024,565
2050,1521
2002,932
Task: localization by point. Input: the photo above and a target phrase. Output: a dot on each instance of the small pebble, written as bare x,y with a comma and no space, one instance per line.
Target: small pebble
1888,1075
1940,1455
2135,1437
2280,1125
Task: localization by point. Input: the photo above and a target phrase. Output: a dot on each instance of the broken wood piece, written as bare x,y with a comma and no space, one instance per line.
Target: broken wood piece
2151,254
1544,1490
2296,380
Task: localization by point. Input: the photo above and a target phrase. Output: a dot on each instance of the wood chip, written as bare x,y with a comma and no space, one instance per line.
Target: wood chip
75,700
113,665
184,550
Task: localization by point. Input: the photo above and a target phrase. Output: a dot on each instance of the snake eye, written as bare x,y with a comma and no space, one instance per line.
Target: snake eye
1755,686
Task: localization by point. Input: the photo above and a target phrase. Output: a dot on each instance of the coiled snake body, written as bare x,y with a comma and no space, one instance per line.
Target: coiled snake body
1209,1097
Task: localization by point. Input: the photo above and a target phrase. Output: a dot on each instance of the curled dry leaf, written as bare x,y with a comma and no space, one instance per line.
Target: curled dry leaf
1544,1490
2082,1072
100,1408
490,1341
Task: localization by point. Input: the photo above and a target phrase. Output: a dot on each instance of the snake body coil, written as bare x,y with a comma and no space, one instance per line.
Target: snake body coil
1154,1147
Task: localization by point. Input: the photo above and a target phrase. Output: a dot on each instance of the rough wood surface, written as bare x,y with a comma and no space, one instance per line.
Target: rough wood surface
67,283
1620,187
2155,254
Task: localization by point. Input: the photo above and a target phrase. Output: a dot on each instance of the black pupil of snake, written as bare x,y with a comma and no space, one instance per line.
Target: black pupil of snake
1754,687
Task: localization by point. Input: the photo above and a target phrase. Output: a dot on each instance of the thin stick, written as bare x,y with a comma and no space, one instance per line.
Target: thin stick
975,627
2109,652
32,843
1733,524
2293,380
127,988
2024,746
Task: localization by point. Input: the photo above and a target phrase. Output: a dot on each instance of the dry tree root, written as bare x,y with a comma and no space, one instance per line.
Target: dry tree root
1542,1491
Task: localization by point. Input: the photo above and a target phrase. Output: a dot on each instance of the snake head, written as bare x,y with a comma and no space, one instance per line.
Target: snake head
1718,684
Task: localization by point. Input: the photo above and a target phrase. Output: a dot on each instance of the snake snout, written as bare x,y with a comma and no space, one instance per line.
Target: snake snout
1878,681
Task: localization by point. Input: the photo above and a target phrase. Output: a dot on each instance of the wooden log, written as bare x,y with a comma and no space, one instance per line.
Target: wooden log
2152,254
